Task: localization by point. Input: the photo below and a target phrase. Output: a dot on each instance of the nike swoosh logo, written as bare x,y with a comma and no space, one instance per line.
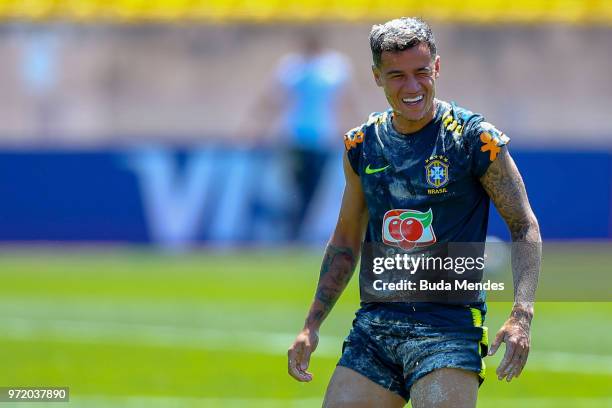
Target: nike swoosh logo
368,170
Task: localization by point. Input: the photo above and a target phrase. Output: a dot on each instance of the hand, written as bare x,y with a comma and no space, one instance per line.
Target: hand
299,354
516,334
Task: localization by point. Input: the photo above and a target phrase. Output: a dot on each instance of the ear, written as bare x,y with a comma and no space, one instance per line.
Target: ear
377,75
437,66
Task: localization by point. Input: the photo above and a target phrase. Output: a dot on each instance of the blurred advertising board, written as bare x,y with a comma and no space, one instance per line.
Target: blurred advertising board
176,197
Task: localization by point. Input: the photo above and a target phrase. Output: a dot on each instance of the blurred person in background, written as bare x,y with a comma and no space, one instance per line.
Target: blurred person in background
40,66
310,93
438,165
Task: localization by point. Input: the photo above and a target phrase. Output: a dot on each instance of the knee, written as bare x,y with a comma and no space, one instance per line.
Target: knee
446,388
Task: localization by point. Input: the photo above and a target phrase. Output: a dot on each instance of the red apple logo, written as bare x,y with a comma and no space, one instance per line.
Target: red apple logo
407,229
412,229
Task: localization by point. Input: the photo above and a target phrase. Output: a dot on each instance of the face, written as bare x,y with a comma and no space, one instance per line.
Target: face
408,78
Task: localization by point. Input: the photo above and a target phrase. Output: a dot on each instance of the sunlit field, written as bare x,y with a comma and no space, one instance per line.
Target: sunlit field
204,329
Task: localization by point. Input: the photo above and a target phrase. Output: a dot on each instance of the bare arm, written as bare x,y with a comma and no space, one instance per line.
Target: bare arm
505,186
342,251
337,268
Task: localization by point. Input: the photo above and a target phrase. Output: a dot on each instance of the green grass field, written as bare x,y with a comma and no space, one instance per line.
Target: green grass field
139,329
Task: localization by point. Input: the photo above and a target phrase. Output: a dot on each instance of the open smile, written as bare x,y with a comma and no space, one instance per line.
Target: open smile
412,101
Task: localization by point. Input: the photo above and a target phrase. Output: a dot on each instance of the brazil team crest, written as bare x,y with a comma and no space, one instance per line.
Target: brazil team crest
408,229
436,171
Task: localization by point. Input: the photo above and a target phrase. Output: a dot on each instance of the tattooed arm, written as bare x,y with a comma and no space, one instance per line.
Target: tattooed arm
504,184
337,268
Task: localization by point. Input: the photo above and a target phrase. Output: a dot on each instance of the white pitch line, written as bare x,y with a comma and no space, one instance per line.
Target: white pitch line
171,402
242,340
546,402
137,401
158,335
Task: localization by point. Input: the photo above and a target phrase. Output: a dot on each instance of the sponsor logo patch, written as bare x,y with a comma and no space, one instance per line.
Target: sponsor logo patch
408,229
492,139
353,137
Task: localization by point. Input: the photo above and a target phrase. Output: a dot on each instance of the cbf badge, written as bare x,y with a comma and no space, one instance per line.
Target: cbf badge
436,174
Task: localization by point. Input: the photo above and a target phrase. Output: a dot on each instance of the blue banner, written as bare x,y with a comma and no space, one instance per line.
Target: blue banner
227,196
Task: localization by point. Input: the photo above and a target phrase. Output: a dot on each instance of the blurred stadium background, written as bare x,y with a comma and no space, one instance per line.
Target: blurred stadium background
150,253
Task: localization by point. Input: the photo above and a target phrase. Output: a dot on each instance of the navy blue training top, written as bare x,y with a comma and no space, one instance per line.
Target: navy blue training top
430,176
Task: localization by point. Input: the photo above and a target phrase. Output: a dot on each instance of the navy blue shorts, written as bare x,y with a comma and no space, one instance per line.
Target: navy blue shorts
397,348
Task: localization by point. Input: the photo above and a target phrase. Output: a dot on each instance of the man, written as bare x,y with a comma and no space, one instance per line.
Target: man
430,352
309,93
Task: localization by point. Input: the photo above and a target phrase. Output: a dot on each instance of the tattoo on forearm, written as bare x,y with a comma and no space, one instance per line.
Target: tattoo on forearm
522,317
336,271
505,186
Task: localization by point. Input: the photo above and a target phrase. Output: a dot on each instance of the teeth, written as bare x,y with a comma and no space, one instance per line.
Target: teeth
412,100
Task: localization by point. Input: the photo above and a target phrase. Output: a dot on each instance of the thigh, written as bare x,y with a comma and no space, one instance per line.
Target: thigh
445,388
349,389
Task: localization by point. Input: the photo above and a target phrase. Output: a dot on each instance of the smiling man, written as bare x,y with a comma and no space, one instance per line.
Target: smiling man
419,174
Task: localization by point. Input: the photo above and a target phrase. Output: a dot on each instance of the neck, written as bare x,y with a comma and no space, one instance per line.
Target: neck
405,126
